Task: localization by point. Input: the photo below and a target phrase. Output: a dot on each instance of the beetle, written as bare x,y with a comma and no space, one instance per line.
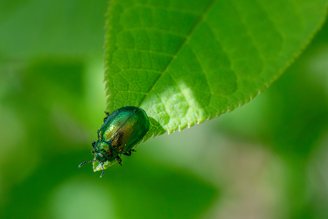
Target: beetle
120,132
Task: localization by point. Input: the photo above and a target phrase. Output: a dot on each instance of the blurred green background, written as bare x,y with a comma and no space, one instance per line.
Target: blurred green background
267,159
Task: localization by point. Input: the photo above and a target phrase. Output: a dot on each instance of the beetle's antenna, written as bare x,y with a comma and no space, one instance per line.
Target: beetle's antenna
102,170
85,162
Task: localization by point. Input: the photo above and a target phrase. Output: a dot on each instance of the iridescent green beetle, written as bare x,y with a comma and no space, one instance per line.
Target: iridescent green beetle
121,131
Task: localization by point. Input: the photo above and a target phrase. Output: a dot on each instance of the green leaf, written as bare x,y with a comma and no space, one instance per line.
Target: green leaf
188,61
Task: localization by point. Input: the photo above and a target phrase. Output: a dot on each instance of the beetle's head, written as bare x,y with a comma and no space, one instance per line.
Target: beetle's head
100,151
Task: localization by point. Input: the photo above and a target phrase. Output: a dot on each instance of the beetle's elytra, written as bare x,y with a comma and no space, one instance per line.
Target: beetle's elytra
120,132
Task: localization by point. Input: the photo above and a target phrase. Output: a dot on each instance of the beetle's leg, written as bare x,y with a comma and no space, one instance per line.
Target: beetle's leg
102,170
119,160
128,153
107,114
93,145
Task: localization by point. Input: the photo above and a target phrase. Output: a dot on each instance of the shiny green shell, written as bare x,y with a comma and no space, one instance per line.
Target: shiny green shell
121,131
124,128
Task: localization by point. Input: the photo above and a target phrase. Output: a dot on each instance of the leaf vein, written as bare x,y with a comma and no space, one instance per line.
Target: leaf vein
193,28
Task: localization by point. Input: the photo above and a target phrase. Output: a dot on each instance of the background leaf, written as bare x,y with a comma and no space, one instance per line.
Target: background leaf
185,62
35,28
51,104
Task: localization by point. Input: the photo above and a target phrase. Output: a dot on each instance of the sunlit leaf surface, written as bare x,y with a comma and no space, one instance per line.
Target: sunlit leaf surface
188,61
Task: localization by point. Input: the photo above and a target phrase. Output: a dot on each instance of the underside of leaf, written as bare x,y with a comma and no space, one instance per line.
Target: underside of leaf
186,61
